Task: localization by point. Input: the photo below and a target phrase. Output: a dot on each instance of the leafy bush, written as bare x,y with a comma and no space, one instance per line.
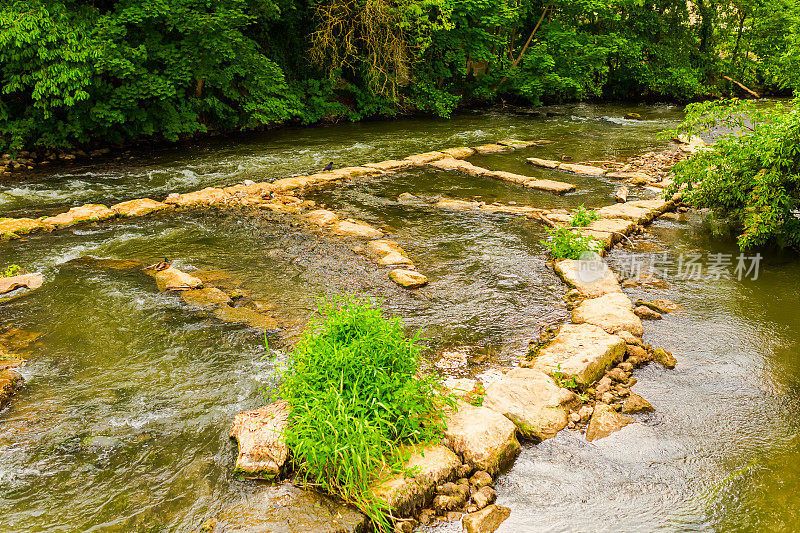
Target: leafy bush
583,217
752,174
356,395
12,270
567,243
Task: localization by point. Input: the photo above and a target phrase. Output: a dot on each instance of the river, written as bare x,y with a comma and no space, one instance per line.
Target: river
122,424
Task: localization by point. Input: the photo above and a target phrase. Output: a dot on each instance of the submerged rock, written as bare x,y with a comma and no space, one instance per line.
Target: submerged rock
484,439
247,316
544,163
427,157
605,421
487,520
431,466
491,148
23,281
321,217
262,450
613,312
207,298
172,279
10,382
532,400
582,351
659,305
409,279
666,359
288,509
394,258
460,152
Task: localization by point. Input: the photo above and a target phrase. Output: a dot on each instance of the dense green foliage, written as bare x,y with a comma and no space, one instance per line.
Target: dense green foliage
752,175
73,71
568,243
583,217
356,396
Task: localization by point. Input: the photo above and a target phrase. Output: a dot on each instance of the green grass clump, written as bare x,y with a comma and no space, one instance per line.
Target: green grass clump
583,217
566,243
11,270
355,397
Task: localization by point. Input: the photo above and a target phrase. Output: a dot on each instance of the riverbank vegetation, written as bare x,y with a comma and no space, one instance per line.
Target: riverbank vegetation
752,175
356,396
74,72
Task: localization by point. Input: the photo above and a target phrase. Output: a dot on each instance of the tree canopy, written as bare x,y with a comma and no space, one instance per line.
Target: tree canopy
72,71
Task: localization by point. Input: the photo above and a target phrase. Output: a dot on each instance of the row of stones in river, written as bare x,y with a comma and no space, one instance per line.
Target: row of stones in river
525,402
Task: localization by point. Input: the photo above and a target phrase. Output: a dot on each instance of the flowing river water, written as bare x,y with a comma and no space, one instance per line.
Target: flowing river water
123,422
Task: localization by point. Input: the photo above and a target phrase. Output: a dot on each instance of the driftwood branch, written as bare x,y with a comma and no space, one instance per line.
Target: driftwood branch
525,47
742,86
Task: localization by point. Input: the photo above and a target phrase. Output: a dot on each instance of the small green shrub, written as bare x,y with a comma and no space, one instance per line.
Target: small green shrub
583,217
567,243
356,396
12,270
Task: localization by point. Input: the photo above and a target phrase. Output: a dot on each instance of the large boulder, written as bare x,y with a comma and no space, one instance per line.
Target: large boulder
613,312
262,450
532,400
321,217
287,509
483,438
430,466
172,279
487,520
590,276
582,351
605,421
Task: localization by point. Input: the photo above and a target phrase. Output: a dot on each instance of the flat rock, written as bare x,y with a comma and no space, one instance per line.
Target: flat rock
590,276
138,207
532,400
20,226
608,230
288,509
627,175
23,281
427,157
450,163
84,213
516,143
353,228
321,217
409,279
484,439
459,152
586,170
544,163
262,450
627,211
172,279
203,197
245,315
660,305
431,466
353,172
645,313
558,187
390,165
491,148
510,177
613,312
487,520
656,206
207,298
582,351
605,421
636,404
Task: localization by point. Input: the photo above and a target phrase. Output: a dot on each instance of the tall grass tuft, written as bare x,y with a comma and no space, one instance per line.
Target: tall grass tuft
356,397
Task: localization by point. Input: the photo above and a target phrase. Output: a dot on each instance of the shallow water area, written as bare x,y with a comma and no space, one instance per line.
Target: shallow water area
123,422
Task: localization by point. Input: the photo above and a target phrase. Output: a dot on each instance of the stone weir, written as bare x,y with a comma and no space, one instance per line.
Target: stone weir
580,379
